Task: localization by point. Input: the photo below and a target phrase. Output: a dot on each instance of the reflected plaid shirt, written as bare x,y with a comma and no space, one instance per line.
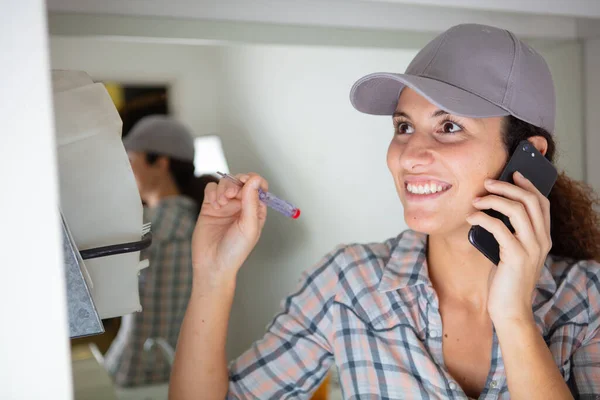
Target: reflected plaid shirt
165,288
371,310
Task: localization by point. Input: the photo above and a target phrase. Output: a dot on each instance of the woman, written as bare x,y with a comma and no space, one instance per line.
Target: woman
423,315
161,152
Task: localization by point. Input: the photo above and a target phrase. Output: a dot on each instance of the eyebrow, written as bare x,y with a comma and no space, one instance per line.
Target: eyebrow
435,114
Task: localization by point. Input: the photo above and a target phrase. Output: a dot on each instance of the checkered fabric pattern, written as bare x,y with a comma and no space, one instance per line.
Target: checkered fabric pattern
165,288
371,310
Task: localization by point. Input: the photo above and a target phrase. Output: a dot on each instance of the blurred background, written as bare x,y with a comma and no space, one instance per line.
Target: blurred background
264,86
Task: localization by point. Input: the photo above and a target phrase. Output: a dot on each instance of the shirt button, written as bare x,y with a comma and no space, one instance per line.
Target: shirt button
434,333
494,384
453,386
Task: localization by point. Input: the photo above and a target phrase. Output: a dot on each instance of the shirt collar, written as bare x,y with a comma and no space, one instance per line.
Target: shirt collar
407,265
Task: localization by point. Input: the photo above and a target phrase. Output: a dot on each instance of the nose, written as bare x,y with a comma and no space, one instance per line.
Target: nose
417,153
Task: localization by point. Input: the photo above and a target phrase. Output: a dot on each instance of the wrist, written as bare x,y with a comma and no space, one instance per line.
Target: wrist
514,324
206,281
519,312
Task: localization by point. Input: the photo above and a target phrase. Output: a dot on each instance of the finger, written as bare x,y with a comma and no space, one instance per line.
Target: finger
232,207
264,185
232,192
516,213
226,190
235,191
542,200
210,194
242,178
503,236
530,198
251,206
262,207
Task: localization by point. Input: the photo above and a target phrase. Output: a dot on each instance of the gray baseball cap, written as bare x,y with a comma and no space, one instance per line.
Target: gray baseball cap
470,70
162,135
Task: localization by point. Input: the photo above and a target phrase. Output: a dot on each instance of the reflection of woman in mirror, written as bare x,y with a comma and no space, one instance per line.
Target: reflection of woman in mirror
161,152
425,314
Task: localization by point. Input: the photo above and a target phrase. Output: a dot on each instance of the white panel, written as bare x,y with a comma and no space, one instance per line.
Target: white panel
332,13
34,338
98,193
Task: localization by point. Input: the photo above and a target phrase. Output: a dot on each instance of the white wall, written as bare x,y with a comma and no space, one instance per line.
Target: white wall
566,64
284,111
592,111
34,354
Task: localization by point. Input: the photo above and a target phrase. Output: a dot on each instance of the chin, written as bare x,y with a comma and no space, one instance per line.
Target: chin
422,223
437,227
428,224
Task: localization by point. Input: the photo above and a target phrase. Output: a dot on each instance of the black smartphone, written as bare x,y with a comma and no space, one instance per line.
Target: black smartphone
534,166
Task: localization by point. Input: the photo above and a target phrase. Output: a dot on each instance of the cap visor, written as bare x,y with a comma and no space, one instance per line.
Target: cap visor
378,94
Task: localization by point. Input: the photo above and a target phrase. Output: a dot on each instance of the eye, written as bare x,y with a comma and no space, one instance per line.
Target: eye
403,128
451,127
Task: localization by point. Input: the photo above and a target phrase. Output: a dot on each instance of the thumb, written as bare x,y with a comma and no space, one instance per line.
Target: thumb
250,203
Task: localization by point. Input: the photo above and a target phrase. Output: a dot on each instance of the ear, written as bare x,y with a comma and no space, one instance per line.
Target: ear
163,163
540,143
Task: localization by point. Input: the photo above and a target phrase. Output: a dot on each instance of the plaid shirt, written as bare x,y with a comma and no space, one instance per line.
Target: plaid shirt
165,288
371,310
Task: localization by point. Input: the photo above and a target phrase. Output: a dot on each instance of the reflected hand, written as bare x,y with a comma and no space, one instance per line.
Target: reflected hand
522,254
229,225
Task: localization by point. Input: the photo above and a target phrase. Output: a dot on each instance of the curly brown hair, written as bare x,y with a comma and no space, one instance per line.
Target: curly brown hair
575,223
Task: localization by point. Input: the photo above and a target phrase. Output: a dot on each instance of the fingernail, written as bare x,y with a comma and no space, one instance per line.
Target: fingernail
520,175
489,181
476,199
255,184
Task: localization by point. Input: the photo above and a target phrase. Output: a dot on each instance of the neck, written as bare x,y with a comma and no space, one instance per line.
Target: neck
458,271
166,188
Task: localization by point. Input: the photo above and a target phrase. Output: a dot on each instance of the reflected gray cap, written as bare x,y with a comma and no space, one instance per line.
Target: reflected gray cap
470,70
162,135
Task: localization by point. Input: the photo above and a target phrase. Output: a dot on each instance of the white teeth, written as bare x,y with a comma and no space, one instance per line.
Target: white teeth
428,188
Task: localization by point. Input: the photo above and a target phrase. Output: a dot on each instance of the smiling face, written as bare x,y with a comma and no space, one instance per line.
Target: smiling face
439,163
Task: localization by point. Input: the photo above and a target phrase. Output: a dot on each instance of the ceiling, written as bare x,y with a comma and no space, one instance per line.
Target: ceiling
564,19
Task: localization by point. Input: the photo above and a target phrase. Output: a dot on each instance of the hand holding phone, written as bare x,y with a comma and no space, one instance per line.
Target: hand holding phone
534,166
